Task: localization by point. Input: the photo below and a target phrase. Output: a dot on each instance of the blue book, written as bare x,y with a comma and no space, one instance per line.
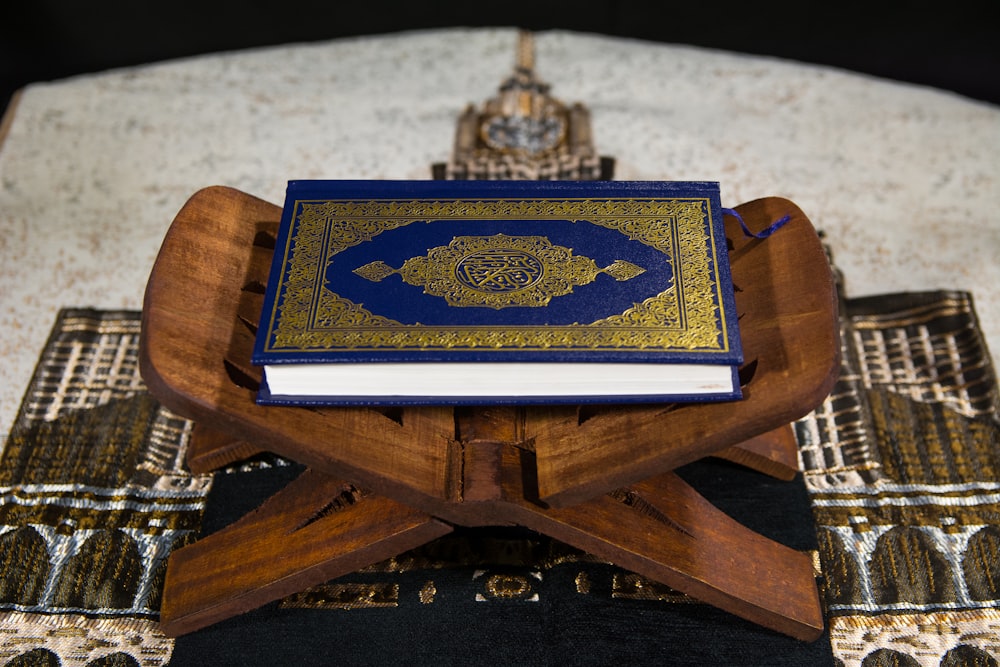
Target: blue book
499,292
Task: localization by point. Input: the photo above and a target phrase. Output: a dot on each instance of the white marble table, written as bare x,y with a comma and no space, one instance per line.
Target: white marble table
904,180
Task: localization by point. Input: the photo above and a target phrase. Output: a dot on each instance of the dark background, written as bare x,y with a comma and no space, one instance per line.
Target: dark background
953,45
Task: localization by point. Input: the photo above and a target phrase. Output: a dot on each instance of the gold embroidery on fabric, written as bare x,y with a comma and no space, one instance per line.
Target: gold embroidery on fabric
427,593
685,315
582,583
39,508
344,596
508,586
499,271
631,586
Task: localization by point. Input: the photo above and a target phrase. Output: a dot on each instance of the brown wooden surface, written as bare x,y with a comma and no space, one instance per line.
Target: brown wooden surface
210,450
787,307
663,529
775,453
480,466
7,119
203,301
313,530
199,316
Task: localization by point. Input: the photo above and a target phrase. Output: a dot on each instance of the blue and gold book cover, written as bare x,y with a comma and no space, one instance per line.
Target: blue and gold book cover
515,271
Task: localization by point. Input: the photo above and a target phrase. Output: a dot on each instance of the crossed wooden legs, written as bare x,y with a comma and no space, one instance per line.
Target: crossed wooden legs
318,528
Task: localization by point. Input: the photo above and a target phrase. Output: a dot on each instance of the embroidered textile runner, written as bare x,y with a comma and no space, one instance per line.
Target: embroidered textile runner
899,501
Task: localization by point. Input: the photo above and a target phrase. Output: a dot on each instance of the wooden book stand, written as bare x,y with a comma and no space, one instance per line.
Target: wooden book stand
381,481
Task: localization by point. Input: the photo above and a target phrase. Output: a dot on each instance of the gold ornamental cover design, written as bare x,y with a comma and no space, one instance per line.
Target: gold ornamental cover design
499,271
670,245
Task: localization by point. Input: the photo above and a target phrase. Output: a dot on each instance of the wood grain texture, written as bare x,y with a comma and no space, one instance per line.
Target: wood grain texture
313,530
197,335
775,453
663,529
210,450
786,301
199,320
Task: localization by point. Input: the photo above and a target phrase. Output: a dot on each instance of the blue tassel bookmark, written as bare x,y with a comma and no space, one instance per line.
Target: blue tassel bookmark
763,234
